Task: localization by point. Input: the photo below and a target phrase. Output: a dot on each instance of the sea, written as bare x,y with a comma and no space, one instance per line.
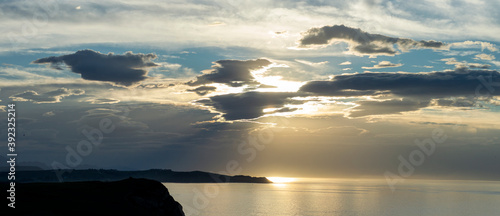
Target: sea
344,197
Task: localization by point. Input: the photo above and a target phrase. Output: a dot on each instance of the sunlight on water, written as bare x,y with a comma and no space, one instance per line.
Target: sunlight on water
340,197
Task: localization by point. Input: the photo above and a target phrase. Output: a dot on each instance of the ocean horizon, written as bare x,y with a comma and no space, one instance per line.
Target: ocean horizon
323,196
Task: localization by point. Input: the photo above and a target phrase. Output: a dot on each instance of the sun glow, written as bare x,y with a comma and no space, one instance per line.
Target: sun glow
275,83
281,180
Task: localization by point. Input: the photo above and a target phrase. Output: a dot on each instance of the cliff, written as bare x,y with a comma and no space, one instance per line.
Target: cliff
125,197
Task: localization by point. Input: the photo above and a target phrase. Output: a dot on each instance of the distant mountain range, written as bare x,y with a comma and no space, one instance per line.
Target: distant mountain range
161,175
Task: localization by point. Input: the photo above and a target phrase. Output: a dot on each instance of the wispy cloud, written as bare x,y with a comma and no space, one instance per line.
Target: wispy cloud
484,56
314,64
383,64
46,97
471,44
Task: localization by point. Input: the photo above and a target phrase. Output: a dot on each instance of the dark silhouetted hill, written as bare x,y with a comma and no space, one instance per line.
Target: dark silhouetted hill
125,197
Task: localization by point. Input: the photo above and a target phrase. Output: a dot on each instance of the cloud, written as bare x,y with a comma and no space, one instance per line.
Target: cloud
471,44
280,34
460,82
49,114
402,92
203,90
126,69
216,23
457,102
383,64
345,63
361,42
450,61
233,73
103,101
248,105
478,66
47,97
464,64
392,106
484,56
314,64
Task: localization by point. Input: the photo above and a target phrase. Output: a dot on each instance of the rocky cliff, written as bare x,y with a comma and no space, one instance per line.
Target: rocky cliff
125,197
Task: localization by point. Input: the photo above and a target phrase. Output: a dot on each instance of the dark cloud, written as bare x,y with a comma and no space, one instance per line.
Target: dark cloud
427,85
459,88
203,90
47,97
457,102
387,107
383,64
363,43
441,124
285,109
233,73
478,66
126,69
464,64
248,105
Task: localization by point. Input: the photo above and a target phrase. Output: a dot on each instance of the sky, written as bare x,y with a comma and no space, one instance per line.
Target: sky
368,88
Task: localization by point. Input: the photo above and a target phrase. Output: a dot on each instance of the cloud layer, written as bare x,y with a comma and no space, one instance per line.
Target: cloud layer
361,42
126,69
393,93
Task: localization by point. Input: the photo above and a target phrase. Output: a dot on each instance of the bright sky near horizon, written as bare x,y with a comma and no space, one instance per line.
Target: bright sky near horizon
269,88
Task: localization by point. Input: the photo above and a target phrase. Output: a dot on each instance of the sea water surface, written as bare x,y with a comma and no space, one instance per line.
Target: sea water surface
340,197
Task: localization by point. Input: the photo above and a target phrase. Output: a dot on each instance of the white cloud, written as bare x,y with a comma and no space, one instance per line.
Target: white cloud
383,64
314,64
345,63
473,44
484,56
464,64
